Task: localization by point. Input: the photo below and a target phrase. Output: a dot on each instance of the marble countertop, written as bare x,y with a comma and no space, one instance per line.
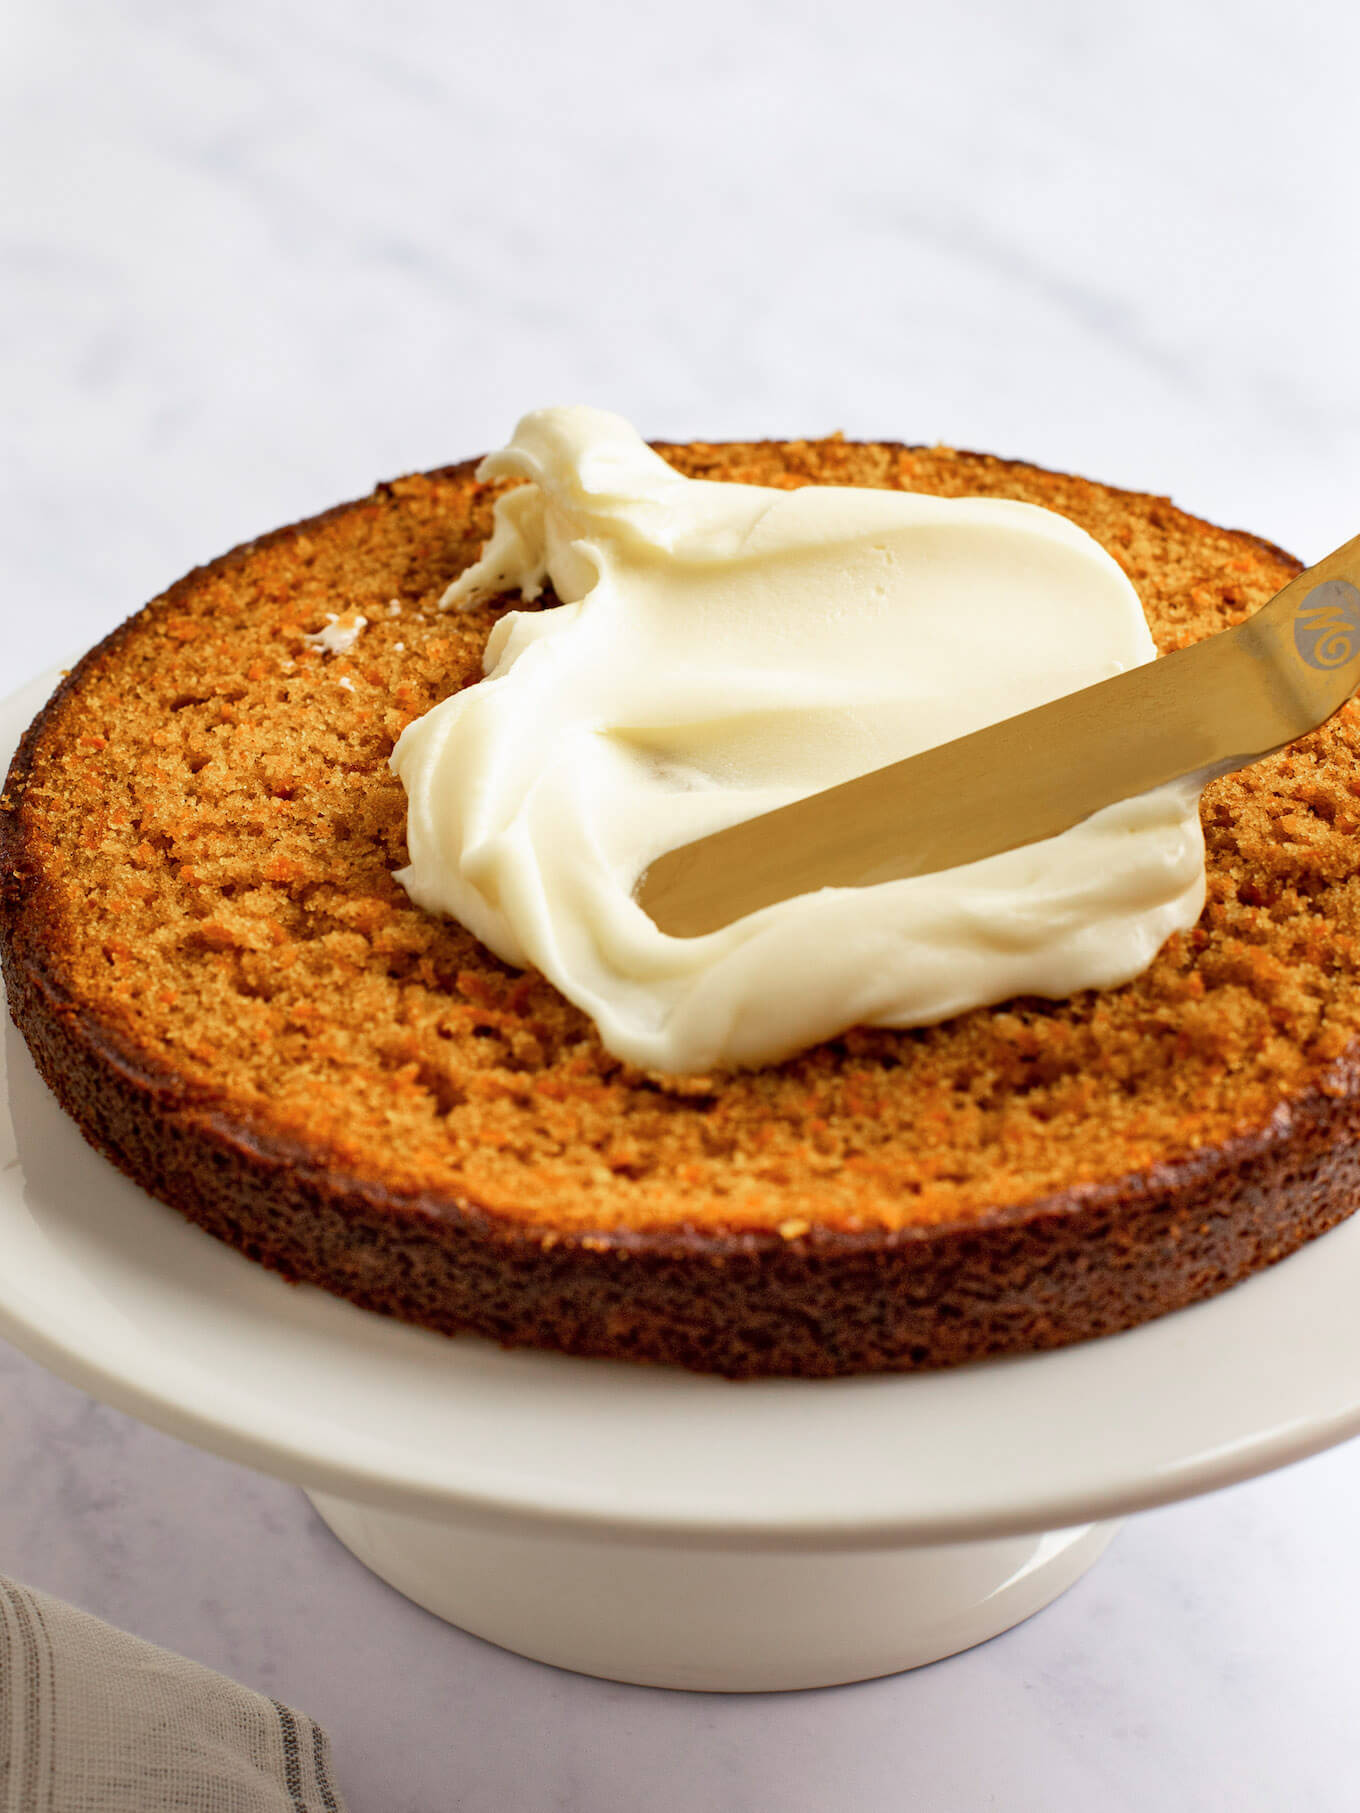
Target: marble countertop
258,257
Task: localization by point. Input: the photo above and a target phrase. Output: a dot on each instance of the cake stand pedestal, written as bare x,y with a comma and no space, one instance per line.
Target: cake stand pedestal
643,1523
735,1620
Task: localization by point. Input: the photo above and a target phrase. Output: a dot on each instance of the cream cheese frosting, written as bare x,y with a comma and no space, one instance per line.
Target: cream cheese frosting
718,650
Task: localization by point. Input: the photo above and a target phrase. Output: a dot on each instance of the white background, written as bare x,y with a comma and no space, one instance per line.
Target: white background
256,257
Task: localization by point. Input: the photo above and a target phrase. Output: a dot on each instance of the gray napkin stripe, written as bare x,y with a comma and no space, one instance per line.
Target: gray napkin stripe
290,1725
27,1675
321,1763
292,1759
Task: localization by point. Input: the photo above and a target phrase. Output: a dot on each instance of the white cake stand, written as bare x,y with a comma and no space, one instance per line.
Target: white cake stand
645,1524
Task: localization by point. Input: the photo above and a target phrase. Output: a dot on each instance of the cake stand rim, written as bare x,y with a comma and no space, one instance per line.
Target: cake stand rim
380,1488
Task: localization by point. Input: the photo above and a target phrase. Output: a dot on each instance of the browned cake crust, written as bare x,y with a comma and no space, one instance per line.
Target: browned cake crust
219,979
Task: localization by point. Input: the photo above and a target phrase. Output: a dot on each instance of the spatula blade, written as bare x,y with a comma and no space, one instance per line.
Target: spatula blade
1200,711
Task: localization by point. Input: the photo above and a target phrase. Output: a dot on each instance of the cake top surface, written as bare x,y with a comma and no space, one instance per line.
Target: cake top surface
199,848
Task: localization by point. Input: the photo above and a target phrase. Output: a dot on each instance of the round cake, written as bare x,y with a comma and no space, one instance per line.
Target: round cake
219,978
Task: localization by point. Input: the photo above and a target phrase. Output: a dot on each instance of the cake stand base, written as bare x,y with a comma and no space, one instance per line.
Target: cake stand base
714,1620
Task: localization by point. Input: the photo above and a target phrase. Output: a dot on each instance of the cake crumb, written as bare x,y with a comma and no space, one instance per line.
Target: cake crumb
339,634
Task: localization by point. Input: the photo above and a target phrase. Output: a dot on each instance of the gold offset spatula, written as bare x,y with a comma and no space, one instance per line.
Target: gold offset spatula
1202,711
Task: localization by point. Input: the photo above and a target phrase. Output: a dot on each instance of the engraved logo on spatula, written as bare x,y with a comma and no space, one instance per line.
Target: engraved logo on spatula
1327,624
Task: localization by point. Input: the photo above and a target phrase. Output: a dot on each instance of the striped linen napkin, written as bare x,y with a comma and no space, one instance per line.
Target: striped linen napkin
95,1721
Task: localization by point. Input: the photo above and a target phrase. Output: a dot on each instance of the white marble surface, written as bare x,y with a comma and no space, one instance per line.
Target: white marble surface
256,257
